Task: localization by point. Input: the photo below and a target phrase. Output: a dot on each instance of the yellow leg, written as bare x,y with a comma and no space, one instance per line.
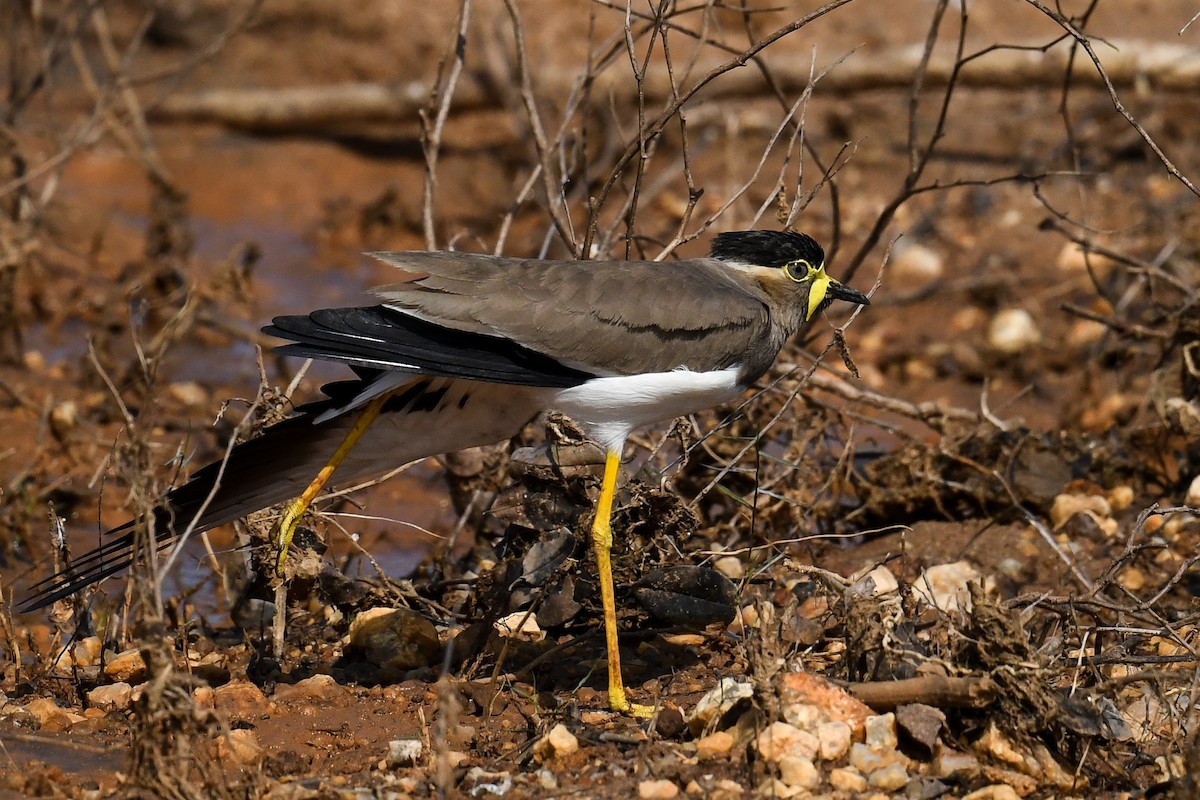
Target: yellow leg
602,544
295,510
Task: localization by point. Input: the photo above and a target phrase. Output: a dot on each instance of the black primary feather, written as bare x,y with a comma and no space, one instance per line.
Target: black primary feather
379,337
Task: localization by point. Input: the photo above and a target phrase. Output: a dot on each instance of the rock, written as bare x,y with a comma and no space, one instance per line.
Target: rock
558,743
847,779
780,739
1066,506
44,709
404,752
835,739
868,759
876,583
319,688
1001,748
921,723
1012,331
127,666
657,790
727,789
945,586
239,745
395,638
718,702
239,701
1132,578
113,697
731,567
880,732
776,789
63,417
804,716
1074,259
715,745
915,266
1192,498
806,688
997,791
891,778
798,772
87,651
189,393
522,626
482,783
1121,497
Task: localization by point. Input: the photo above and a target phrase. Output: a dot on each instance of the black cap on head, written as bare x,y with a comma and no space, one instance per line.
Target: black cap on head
767,248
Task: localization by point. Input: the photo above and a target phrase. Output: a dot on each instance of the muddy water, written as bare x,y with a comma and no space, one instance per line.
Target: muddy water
239,200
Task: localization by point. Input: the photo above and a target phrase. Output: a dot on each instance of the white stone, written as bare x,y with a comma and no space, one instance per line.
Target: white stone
717,702
522,626
1013,331
657,790
799,772
780,739
889,778
559,742
731,567
945,586
835,739
881,732
113,697
997,791
915,265
877,582
847,779
404,752
1192,498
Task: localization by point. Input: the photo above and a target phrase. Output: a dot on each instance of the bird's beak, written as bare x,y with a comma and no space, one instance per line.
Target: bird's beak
840,291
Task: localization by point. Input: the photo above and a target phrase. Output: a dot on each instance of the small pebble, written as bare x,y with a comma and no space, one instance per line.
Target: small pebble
559,742
1192,498
113,697
876,583
1013,331
715,745
657,790
714,705
731,567
881,732
866,760
404,752
997,791
780,739
915,265
798,772
847,779
835,739
890,778
944,586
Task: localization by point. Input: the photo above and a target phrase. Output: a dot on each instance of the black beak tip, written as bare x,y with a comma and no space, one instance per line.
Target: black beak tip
840,291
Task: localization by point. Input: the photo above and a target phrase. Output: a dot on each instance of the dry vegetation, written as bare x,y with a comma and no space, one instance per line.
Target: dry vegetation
969,505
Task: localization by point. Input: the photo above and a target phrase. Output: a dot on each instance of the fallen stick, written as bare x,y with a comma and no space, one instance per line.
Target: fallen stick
1151,66
939,691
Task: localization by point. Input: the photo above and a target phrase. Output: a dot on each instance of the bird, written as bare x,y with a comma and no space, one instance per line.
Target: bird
465,349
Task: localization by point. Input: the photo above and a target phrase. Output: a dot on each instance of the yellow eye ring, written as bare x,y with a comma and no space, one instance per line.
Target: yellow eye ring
809,270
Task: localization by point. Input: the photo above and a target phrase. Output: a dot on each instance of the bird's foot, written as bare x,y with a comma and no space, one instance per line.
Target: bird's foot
618,702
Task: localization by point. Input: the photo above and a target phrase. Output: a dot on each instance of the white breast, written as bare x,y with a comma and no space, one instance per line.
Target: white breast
609,409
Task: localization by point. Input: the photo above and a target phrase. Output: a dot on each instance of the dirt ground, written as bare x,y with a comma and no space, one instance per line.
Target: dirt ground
964,539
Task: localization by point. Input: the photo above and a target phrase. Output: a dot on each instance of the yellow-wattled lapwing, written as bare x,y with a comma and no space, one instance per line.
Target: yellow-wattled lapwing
466,349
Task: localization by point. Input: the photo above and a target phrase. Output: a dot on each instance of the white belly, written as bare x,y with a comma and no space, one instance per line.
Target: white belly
609,409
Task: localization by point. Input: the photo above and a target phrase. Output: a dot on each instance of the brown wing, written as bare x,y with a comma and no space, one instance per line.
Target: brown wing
606,317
